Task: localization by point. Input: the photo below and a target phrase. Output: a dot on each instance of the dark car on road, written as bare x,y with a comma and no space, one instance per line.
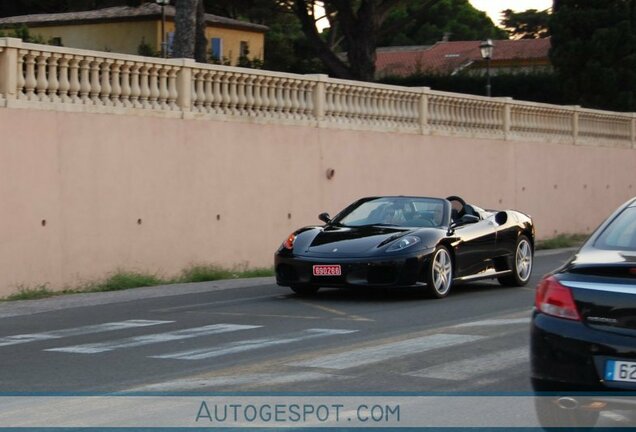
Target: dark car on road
398,241
583,333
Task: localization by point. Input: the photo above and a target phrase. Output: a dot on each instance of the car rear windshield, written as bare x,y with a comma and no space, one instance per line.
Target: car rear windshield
620,234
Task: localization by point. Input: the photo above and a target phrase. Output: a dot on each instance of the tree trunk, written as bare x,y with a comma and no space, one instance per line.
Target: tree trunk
201,42
185,23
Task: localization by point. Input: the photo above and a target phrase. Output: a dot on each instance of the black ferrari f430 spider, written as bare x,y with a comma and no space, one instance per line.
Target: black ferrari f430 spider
399,241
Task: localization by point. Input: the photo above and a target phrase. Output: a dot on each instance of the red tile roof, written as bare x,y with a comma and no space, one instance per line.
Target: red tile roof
446,57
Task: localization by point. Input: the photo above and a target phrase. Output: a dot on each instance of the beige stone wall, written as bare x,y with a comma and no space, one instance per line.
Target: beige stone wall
111,161
93,177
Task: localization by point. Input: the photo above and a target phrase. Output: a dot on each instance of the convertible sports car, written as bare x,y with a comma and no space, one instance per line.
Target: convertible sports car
408,241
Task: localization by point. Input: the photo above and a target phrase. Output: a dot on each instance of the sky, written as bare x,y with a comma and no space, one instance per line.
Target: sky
493,8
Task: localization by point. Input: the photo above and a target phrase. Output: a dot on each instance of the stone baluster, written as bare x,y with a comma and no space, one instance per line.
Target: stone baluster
125,84
53,84
249,94
74,79
135,88
276,96
41,80
267,104
225,93
115,79
85,79
64,83
233,93
240,88
257,87
21,75
172,88
30,81
217,97
95,86
153,84
285,94
294,89
144,85
106,87
163,87
208,94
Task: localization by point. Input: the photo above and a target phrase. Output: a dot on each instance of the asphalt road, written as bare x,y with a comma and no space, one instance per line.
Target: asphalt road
255,336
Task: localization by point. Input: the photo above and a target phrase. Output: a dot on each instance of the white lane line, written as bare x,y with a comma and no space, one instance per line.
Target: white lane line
495,322
375,354
77,331
253,344
237,380
475,366
137,341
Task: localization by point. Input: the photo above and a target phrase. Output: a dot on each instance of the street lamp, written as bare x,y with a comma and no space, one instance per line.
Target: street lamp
486,48
163,4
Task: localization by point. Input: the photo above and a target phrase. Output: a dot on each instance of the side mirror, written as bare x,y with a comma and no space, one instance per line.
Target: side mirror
501,218
324,217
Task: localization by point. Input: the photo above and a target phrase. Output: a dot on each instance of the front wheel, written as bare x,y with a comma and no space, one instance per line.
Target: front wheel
304,290
522,264
439,275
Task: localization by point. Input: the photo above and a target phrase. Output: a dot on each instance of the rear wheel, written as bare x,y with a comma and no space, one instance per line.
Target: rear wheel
439,276
304,290
521,265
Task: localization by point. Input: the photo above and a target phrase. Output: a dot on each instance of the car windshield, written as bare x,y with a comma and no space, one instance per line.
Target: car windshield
395,211
620,234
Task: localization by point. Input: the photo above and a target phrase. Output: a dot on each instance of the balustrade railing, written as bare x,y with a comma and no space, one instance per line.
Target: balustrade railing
41,76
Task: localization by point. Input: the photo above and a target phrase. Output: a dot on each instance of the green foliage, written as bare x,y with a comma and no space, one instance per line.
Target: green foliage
529,24
124,280
594,52
22,32
530,86
456,18
144,49
562,241
25,293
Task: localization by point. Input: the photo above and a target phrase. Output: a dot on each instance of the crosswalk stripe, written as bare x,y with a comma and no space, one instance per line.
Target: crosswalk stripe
255,379
495,322
375,354
252,344
77,331
475,366
136,341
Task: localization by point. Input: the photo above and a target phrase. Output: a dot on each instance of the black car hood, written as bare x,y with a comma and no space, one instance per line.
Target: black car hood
348,241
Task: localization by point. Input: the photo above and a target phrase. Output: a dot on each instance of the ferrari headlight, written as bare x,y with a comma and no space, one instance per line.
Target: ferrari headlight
403,243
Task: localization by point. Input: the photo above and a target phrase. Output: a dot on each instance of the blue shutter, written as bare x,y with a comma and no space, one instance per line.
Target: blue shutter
216,45
170,43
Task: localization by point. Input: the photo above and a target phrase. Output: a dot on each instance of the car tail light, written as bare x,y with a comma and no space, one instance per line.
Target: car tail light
554,299
289,243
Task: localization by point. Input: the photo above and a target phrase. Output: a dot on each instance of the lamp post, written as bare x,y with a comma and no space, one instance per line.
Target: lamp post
486,48
163,4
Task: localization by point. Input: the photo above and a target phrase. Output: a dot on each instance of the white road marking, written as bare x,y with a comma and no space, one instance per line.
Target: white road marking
375,354
495,322
475,366
237,380
137,341
253,344
77,331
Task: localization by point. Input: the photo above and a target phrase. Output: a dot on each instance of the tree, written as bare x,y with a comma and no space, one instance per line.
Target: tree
189,36
594,52
529,24
453,19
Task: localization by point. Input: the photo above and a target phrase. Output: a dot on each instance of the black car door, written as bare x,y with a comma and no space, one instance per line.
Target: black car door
474,247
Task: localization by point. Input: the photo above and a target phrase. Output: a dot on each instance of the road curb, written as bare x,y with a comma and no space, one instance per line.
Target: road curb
28,307
549,252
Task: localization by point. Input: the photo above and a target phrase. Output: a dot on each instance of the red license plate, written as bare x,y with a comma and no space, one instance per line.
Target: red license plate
327,270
